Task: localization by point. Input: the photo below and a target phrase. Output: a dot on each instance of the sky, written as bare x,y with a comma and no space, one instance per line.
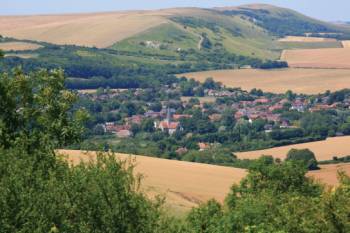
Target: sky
335,10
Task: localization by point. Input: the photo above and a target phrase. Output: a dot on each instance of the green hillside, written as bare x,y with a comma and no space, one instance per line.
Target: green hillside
251,30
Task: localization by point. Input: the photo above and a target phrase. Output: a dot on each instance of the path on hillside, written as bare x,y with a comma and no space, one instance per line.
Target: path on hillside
200,42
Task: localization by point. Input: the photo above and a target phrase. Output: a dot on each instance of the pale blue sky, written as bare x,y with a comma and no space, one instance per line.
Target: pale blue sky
331,10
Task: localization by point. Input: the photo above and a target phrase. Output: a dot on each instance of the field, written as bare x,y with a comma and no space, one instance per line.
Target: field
324,150
328,173
100,29
18,46
307,81
184,184
346,43
337,58
305,39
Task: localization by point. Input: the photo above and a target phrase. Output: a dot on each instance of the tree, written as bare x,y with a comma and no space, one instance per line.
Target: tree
1,54
36,110
305,155
39,190
227,119
147,125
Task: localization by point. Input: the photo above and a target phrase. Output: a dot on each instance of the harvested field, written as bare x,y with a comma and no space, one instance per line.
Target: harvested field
307,81
328,173
185,184
324,150
18,46
331,58
346,43
96,29
305,39
188,184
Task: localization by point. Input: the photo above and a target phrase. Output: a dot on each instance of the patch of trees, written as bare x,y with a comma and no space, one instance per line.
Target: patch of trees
282,24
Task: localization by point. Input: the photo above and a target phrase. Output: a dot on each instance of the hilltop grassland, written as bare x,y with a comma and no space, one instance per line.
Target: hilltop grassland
185,184
332,58
324,150
306,81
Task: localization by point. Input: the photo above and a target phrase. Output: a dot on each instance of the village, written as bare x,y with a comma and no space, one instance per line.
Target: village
245,107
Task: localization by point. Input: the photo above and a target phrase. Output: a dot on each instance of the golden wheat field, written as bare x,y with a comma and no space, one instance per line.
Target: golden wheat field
328,173
329,58
305,39
324,150
346,43
185,184
307,81
95,29
18,46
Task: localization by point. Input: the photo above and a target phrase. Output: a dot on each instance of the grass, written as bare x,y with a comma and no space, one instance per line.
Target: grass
310,45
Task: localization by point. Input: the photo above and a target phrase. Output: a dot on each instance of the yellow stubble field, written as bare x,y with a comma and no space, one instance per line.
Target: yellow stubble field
306,81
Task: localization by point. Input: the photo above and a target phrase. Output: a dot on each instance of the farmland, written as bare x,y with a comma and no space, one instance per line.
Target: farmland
185,184
98,29
324,150
305,39
328,173
346,43
307,81
18,46
337,58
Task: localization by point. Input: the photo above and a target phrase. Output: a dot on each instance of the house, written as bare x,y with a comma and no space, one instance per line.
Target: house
203,146
177,117
168,125
137,119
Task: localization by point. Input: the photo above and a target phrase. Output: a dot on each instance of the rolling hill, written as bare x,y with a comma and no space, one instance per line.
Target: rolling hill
250,30
185,184
144,48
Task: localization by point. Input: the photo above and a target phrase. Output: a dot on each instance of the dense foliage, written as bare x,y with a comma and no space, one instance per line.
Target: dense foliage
41,192
282,23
